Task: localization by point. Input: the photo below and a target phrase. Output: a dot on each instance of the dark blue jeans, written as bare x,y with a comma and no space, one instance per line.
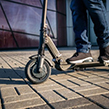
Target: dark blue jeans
97,13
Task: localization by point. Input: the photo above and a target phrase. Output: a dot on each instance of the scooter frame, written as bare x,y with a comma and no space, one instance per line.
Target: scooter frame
38,69
61,64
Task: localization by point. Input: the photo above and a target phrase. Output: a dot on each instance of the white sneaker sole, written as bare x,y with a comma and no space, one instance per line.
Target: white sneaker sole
106,61
88,59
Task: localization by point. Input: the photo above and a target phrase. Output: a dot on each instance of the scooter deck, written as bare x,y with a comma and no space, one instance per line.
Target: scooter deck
87,64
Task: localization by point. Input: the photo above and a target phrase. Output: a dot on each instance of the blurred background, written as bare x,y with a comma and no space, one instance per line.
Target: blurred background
20,23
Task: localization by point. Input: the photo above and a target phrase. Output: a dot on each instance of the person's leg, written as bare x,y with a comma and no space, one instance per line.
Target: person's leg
79,17
83,46
97,12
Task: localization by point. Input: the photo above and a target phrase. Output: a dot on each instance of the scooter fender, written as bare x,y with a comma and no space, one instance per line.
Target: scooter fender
36,56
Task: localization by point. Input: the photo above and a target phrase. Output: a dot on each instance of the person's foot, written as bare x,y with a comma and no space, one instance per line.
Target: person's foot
104,55
80,57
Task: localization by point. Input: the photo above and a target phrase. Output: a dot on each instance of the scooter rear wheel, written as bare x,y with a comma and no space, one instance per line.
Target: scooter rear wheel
34,76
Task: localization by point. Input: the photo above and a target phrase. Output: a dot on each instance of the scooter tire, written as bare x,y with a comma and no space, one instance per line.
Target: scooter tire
33,76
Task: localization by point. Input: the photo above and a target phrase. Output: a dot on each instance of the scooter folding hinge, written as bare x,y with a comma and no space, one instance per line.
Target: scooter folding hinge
60,61
46,25
57,60
47,29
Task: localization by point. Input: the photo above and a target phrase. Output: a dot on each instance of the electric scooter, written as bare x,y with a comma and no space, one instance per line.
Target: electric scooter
38,68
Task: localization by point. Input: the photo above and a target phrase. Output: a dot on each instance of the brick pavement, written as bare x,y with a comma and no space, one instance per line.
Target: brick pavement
88,89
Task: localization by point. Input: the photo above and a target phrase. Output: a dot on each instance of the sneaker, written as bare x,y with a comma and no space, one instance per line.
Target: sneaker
80,57
104,55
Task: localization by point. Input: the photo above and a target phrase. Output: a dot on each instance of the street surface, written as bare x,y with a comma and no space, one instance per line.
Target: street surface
88,89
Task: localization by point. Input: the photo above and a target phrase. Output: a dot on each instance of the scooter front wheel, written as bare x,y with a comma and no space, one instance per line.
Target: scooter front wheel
34,76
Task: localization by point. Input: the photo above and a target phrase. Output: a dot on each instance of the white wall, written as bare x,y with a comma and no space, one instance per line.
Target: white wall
92,34
70,33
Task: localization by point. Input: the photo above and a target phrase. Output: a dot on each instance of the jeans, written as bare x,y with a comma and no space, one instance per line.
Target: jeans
97,13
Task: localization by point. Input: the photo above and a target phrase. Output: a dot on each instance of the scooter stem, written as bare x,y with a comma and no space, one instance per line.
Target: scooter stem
42,34
42,31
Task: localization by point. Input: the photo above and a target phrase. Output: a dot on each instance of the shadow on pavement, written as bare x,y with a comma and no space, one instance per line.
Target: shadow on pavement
17,75
12,76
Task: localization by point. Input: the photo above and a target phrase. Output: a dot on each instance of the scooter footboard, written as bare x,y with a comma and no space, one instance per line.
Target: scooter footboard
87,65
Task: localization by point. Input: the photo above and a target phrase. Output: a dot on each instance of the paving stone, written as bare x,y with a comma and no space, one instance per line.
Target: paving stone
60,76
0,104
85,74
10,73
56,90
105,85
77,74
92,92
82,83
24,89
90,106
48,88
5,81
51,96
100,71
101,100
6,92
18,81
24,104
105,75
72,82
71,103
106,95
2,74
20,97
94,78
67,94
45,84
69,83
85,88
97,80
40,107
